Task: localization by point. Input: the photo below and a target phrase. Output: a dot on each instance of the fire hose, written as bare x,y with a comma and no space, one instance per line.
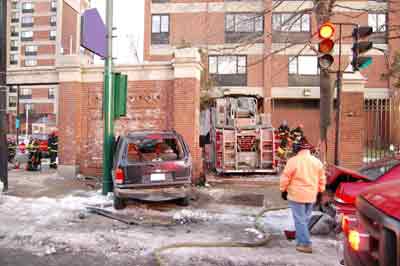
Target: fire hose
227,244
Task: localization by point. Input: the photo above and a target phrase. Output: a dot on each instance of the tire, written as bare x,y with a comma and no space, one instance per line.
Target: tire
184,201
119,203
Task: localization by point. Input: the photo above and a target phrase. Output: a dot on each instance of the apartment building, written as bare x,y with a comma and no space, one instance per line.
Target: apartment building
38,31
269,48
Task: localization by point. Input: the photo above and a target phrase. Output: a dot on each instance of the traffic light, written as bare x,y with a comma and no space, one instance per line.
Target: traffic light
359,47
325,47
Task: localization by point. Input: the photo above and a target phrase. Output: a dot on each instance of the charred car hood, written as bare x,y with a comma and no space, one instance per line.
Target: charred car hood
385,197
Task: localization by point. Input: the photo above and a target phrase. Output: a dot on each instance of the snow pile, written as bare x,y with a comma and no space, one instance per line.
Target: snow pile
254,231
190,216
278,221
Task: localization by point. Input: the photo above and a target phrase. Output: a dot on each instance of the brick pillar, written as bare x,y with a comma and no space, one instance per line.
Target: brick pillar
186,102
352,121
69,115
267,61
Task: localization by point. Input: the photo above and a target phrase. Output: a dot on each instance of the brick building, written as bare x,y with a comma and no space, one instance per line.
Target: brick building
39,31
263,47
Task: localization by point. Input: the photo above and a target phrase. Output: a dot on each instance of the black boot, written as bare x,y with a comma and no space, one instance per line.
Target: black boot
5,186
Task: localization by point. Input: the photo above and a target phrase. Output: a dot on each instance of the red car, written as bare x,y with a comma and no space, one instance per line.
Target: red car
346,184
373,236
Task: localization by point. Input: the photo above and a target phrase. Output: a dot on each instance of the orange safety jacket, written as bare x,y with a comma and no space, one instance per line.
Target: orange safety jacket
303,177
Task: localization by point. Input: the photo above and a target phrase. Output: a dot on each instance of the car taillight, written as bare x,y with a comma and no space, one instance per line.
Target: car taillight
358,241
348,222
119,176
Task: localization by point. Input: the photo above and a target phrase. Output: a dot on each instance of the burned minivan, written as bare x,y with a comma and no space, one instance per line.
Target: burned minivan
151,166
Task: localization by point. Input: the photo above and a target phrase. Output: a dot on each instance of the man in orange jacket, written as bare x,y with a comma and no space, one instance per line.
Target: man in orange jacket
301,181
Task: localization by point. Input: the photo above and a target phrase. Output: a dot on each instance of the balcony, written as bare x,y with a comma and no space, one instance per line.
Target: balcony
303,80
26,39
290,37
27,24
229,79
30,53
160,38
26,11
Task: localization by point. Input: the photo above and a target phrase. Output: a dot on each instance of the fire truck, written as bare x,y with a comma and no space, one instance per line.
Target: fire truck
242,138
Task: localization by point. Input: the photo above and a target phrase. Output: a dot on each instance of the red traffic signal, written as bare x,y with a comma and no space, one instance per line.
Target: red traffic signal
325,47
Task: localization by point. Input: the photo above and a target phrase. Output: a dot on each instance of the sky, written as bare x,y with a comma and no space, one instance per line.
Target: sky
129,21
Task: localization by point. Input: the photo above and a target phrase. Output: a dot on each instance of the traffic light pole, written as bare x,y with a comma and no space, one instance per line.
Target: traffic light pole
107,105
339,76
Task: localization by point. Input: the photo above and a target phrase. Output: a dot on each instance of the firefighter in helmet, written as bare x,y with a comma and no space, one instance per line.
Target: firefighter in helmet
297,134
53,149
35,156
283,132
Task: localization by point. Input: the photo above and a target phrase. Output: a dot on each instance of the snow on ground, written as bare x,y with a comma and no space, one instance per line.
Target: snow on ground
45,226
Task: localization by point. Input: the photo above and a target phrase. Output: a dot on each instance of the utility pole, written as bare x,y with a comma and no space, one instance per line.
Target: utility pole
339,76
3,95
108,104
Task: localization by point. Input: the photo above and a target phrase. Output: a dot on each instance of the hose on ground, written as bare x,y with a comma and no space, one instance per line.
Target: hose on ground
227,244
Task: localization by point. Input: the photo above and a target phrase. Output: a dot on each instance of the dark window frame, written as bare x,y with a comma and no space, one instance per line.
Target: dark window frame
235,14
160,37
229,79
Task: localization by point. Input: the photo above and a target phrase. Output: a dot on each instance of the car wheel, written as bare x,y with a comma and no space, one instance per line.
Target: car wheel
184,201
119,203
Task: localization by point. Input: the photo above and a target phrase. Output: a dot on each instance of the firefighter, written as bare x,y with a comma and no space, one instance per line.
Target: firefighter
12,146
284,133
53,149
35,156
3,162
297,134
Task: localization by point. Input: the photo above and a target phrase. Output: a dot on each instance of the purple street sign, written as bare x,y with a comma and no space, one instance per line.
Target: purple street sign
93,32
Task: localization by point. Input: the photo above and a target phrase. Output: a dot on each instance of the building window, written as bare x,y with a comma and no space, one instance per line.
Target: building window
14,45
12,101
27,36
27,21
13,59
27,7
291,22
52,93
25,93
31,50
160,29
241,26
14,17
14,5
30,62
53,20
303,65
53,5
377,22
244,23
12,89
14,31
228,70
52,35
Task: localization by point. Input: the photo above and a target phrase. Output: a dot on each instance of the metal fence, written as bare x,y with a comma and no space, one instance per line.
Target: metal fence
378,133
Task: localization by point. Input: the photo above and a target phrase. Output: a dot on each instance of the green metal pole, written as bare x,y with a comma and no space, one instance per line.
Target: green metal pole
108,105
